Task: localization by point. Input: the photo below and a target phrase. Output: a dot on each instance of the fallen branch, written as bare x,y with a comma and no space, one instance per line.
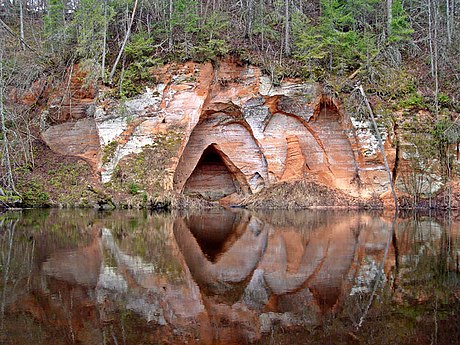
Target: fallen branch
12,33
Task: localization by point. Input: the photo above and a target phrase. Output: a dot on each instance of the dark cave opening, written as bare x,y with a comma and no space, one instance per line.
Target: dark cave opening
211,178
326,110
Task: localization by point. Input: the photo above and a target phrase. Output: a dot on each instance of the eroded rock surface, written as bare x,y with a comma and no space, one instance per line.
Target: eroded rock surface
236,133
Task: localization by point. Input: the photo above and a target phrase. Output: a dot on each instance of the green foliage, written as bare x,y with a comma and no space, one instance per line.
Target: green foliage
132,80
10,199
90,23
200,43
109,151
215,25
144,197
414,100
54,19
184,17
138,52
444,100
65,175
59,34
133,188
210,50
400,25
266,26
333,43
139,47
363,12
147,171
446,132
33,194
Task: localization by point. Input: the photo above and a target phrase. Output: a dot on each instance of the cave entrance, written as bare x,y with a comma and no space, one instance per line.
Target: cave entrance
212,177
326,110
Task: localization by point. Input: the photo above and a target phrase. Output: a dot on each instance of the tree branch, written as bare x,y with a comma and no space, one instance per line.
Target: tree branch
12,33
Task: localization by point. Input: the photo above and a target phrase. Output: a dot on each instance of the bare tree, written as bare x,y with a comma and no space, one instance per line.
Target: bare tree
389,16
8,182
450,23
433,23
250,19
104,43
122,48
21,20
287,48
382,149
170,34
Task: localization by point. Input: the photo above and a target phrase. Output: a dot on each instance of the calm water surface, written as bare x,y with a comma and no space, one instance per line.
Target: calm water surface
228,277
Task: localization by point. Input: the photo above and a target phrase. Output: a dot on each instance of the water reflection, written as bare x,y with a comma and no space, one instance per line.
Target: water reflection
221,277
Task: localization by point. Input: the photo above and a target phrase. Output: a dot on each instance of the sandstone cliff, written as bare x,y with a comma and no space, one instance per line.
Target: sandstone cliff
219,131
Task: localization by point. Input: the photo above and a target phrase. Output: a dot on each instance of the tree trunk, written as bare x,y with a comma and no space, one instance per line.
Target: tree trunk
104,44
381,271
436,56
430,37
449,20
389,17
287,49
128,32
170,34
250,19
21,20
9,181
12,33
382,149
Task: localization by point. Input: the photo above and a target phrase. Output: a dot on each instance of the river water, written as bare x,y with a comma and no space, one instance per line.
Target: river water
228,277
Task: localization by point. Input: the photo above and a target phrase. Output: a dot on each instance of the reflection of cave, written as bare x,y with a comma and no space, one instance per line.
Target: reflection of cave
213,232
211,178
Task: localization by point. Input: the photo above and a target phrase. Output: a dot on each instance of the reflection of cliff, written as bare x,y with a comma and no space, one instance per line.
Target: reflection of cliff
214,278
232,266
238,274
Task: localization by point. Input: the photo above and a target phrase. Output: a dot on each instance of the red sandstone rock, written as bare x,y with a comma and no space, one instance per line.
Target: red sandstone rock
74,99
295,160
79,139
261,134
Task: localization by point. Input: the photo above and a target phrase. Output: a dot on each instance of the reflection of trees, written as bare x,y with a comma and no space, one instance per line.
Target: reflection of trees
429,250
15,263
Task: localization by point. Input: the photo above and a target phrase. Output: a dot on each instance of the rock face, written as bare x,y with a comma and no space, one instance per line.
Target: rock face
70,112
238,133
74,99
79,139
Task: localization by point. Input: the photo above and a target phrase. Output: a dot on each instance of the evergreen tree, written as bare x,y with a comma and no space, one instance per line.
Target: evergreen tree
90,21
55,19
400,25
336,43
